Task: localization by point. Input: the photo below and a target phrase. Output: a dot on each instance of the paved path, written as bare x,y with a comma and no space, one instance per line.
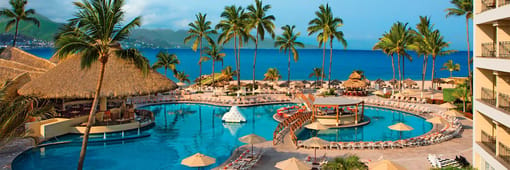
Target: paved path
12,149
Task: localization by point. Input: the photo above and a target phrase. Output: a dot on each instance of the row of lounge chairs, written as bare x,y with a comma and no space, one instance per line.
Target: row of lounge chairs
438,162
400,105
217,100
408,99
245,161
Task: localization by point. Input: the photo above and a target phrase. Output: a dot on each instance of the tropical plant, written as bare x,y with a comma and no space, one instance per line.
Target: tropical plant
339,35
94,35
288,43
182,76
421,44
272,74
228,74
16,110
233,26
317,73
215,54
199,29
322,25
461,92
166,61
451,67
261,22
385,45
351,162
463,8
437,47
16,14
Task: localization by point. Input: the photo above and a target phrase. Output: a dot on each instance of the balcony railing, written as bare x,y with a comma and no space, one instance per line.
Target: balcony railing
504,101
503,2
488,96
488,4
489,141
504,152
504,49
488,50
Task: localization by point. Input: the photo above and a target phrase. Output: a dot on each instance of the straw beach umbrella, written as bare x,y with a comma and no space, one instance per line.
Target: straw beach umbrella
454,113
121,79
292,164
198,160
400,127
410,82
447,106
436,120
315,142
316,126
385,165
252,139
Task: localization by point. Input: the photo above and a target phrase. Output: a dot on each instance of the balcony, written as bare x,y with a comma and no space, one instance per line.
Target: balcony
504,153
504,102
504,49
503,2
488,4
488,50
489,141
488,96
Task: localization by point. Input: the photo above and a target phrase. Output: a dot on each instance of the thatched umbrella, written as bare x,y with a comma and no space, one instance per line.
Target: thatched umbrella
305,82
336,82
121,78
198,160
355,75
354,83
410,82
400,127
252,139
385,165
447,106
393,81
292,164
315,142
454,113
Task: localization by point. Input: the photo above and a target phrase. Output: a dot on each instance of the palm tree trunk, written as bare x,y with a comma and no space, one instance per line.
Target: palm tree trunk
288,74
15,34
255,61
212,73
393,66
200,63
468,55
323,60
239,63
451,74
433,69
424,72
92,115
330,61
399,73
235,54
403,70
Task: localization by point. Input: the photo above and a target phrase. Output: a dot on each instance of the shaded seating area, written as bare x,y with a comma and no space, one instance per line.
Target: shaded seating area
338,111
355,86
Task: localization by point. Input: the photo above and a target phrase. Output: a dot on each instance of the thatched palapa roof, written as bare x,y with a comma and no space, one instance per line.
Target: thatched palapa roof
20,56
354,83
14,62
355,75
410,82
121,78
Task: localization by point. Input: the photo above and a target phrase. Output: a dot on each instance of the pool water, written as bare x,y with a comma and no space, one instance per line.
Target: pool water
184,129
376,130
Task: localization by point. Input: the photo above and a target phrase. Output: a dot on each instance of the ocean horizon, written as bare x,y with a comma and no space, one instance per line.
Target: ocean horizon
375,64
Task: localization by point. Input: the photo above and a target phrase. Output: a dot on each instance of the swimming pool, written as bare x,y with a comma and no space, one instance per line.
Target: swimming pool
184,129
376,130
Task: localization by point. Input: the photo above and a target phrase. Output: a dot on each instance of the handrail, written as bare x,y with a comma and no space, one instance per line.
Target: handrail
504,49
488,49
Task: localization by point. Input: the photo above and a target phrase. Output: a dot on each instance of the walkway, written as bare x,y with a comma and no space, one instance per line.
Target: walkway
12,149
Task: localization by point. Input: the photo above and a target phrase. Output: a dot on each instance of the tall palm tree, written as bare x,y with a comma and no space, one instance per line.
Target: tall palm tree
228,74
261,22
272,74
463,8
167,61
233,26
16,14
422,35
182,76
317,73
385,44
451,67
288,43
402,39
199,29
339,35
437,48
351,162
94,34
322,25
215,54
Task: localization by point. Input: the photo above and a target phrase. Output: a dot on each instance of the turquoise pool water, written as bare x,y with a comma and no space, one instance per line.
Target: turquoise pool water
376,130
184,129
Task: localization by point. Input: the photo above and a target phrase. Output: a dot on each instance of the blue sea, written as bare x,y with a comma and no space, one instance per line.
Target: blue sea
375,64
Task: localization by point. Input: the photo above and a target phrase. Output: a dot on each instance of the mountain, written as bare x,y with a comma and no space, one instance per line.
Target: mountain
45,32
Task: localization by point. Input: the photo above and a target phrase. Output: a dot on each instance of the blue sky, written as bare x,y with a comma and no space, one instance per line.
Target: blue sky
364,21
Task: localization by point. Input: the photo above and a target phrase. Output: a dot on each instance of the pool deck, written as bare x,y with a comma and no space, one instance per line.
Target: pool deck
12,149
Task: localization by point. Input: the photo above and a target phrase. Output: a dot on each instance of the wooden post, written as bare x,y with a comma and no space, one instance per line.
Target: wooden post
356,117
362,110
336,115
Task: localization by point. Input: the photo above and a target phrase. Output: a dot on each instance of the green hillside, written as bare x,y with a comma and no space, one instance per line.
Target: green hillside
45,32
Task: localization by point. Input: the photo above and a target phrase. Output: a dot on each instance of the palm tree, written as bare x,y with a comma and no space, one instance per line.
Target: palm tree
461,92
437,47
339,35
95,42
421,47
288,43
182,76
167,61
272,74
215,54
199,29
317,73
345,163
463,8
228,74
17,14
451,67
233,26
385,44
261,23
321,24
16,110
401,39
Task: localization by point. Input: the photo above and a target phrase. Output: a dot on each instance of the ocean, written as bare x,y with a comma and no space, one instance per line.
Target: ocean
375,64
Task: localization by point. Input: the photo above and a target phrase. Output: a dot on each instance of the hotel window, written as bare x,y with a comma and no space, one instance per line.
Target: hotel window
488,166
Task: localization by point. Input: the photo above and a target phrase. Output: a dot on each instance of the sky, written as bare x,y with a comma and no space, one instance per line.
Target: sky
364,21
